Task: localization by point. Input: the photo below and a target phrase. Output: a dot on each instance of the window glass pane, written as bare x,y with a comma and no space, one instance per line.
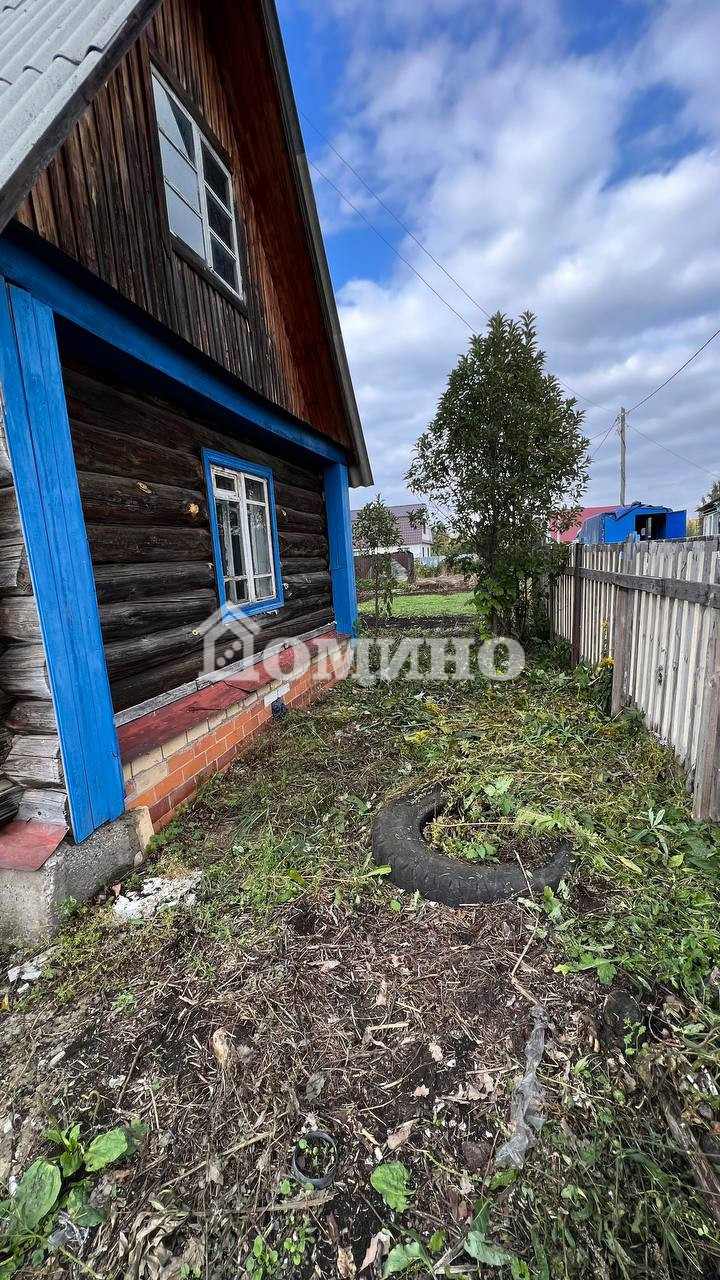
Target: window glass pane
180,173
215,176
229,530
173,121
236,590
184,223
259,539
223,263
224,482
264,588
219,221
254,490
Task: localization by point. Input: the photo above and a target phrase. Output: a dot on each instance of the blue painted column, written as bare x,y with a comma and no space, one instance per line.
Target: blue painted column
342,565
43,465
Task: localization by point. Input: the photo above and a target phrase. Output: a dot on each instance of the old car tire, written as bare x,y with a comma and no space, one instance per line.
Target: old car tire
398,841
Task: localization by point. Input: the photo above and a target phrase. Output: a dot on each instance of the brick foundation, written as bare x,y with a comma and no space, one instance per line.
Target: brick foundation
166,755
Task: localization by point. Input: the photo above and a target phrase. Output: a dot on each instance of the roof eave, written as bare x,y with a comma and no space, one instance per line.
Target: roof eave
360,471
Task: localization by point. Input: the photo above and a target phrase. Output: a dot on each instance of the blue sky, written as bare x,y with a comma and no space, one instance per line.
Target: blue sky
562,155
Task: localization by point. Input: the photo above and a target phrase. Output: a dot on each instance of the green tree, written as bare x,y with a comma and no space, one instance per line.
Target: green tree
440,539
374,531
505,454
713,494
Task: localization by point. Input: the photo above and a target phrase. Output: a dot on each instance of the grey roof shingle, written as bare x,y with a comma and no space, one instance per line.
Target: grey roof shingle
54,54
410,534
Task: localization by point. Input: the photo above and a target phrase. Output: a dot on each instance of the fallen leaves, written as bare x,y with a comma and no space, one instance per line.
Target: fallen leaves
346,1268
400,1136
314,1086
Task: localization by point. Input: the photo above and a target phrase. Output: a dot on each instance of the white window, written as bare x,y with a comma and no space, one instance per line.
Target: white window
198,189
244,529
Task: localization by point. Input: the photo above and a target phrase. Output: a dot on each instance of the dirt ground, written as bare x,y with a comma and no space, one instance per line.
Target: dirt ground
300,991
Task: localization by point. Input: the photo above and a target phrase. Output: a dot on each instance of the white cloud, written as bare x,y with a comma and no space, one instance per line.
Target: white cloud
504,154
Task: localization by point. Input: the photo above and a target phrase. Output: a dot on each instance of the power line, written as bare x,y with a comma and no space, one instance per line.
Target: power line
607,433
453,279
694,356
392,213
406,229
391,246
658,443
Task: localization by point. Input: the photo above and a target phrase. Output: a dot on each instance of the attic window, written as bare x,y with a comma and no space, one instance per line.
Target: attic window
198,188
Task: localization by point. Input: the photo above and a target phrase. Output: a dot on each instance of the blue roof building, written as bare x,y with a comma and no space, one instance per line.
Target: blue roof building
640,521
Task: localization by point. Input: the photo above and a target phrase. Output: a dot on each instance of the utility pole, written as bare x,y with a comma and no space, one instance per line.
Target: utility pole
621,433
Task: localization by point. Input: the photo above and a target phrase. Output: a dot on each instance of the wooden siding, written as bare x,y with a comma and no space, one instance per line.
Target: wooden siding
146,512
29,743
101,201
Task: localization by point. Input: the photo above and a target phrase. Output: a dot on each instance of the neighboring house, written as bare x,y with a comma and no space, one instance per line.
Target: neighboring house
180,430
639,522
569,535
414,536
709,513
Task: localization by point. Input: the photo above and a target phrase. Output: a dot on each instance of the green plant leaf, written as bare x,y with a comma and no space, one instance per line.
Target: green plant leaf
491,1254
78,1207
70,1162
519,1270
504,1178
404,1256
392,1182
37,1193
105,1149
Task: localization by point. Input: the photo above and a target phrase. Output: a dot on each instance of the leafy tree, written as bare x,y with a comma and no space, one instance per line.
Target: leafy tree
374,531
440,539
713,494
505,454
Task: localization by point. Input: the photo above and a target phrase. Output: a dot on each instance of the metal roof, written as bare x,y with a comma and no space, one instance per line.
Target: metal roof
54,55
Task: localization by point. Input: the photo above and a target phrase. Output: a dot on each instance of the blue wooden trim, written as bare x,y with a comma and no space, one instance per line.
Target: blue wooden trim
115,327
229,609
342,564
43,464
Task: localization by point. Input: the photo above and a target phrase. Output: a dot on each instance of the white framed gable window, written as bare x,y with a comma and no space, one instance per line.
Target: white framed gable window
244,528
198,188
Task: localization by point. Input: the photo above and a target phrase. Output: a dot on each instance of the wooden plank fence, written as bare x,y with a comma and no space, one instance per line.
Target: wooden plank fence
654,608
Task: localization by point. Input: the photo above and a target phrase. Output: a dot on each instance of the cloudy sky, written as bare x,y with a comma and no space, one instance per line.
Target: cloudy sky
557,155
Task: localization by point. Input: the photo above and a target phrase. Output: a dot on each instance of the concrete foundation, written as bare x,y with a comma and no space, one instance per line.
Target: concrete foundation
31,902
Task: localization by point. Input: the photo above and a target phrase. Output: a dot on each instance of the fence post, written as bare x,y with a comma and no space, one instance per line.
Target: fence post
706,801
621,648
577,605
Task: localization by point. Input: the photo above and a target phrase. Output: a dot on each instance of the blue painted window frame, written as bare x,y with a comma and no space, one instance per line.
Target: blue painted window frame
212,458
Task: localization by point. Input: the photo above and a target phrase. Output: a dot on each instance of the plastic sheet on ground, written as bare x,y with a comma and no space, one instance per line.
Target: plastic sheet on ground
526,1106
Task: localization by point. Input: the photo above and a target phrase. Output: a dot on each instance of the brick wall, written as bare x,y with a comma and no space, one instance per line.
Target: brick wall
168,773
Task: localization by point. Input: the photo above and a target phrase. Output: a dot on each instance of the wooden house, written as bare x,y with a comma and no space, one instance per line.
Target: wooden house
178,431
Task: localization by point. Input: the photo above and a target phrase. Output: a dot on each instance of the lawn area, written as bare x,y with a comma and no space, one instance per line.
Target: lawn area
301,990
427,606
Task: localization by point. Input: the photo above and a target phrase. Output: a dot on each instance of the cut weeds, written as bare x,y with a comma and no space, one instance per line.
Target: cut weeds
397,1026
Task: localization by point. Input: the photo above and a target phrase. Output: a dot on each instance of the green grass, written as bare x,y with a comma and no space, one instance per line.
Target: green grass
606,1191
427,606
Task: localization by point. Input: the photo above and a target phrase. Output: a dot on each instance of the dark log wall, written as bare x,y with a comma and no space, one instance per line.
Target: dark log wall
29,744
101,200
146,511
